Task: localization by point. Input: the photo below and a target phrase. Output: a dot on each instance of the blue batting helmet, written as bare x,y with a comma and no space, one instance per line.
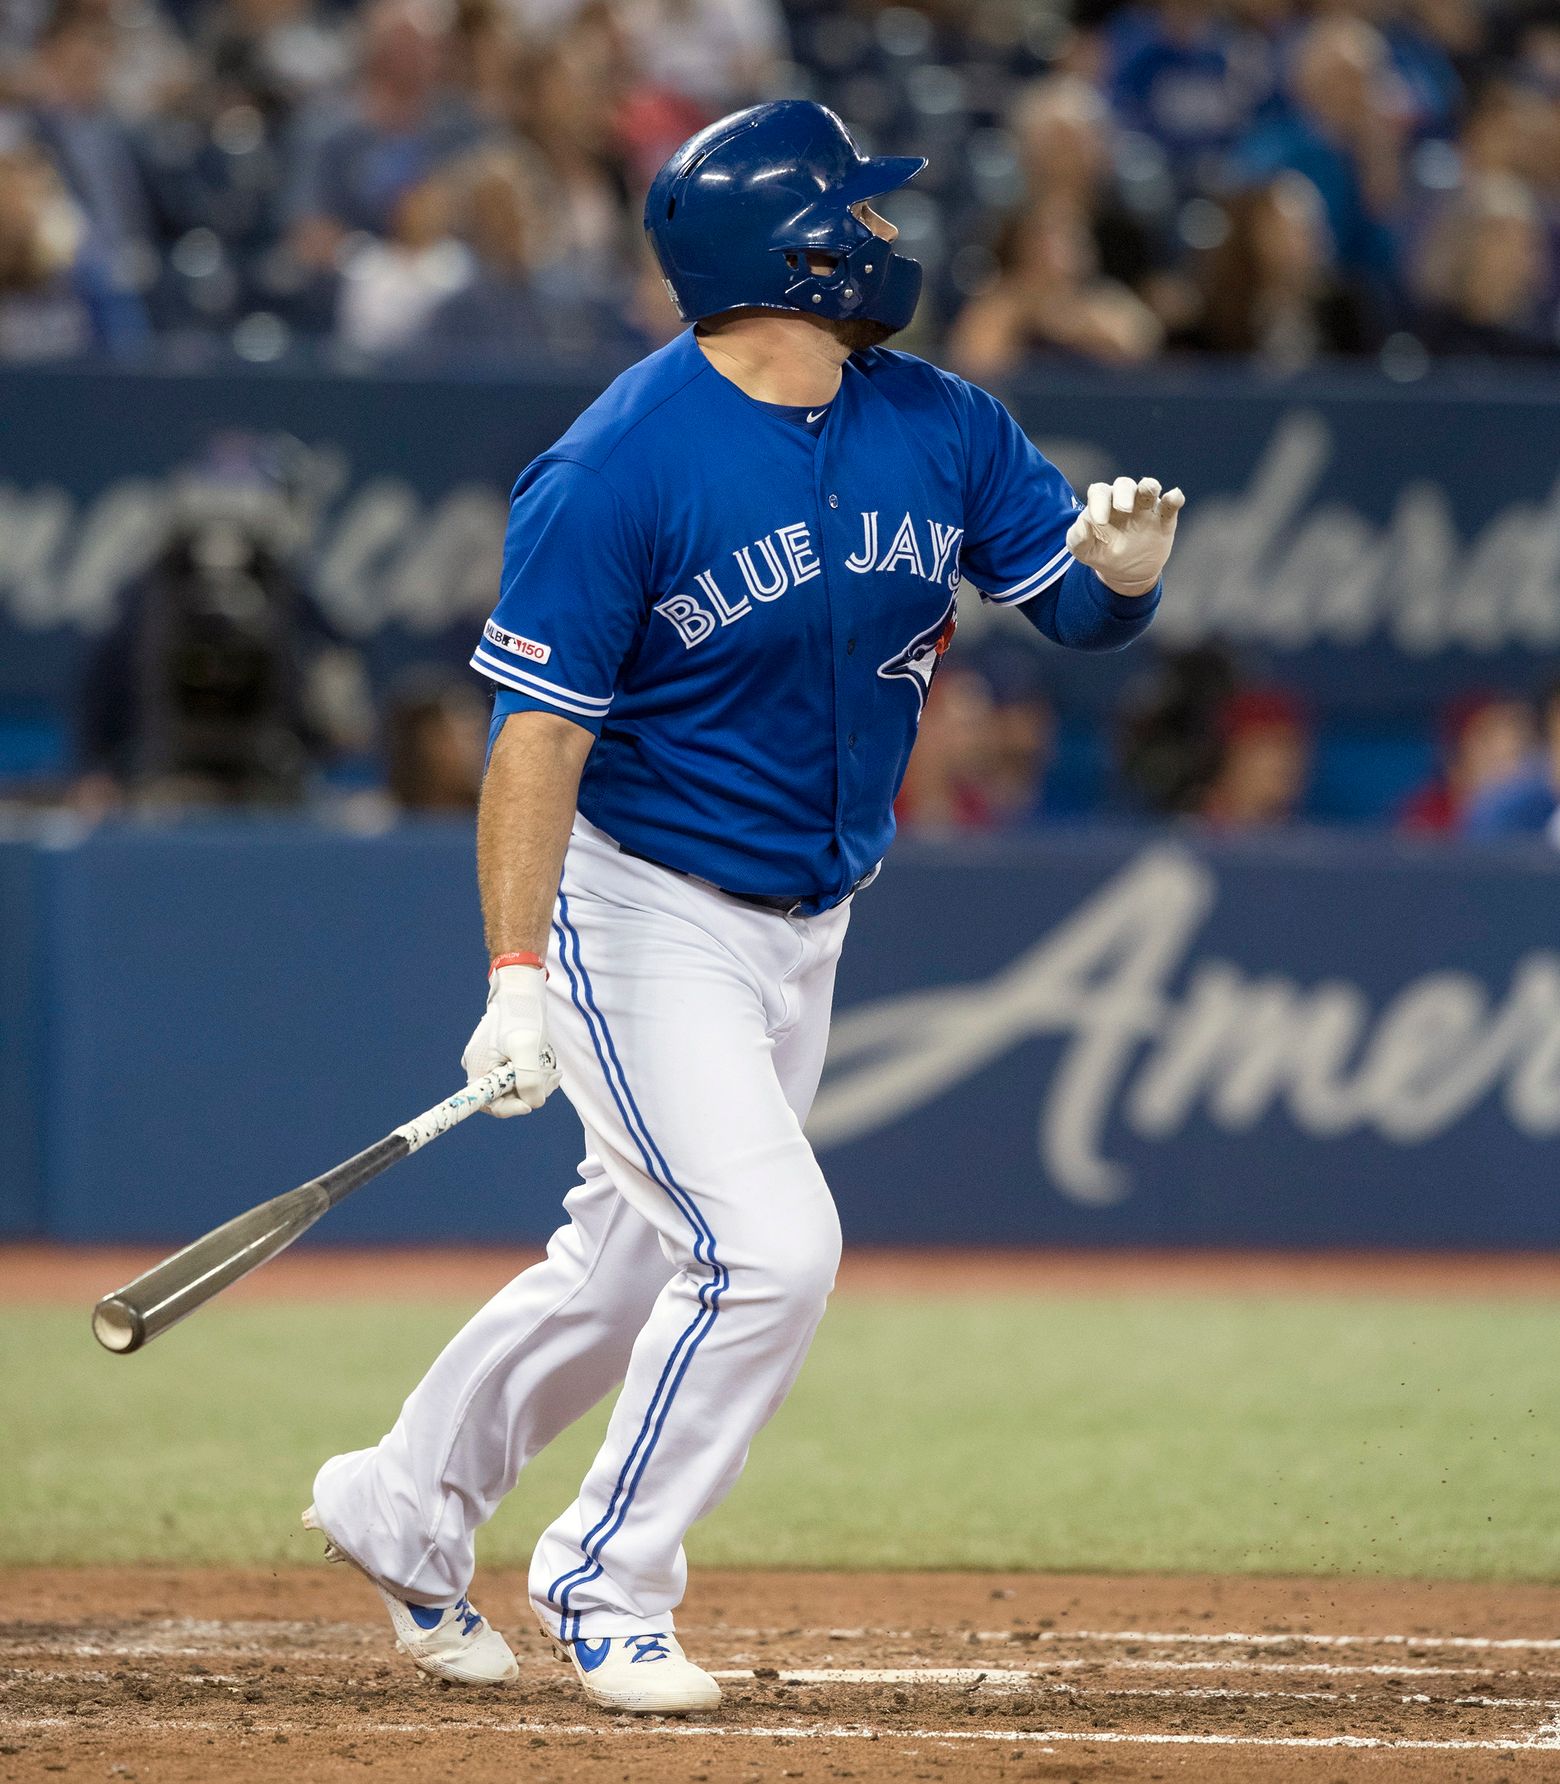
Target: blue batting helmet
735,214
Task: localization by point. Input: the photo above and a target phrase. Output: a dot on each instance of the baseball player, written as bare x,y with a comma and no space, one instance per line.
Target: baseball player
725,593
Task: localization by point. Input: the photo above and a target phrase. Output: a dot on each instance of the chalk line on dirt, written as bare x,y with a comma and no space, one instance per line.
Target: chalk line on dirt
254,1629
1324,1669
1547,1738
1002,1679
1271,1639
183,1641
1007,1678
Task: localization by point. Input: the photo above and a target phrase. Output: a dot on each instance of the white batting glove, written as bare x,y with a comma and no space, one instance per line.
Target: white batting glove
513,1031
1124,532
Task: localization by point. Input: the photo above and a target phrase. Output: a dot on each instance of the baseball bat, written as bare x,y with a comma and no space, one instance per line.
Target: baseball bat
162,1296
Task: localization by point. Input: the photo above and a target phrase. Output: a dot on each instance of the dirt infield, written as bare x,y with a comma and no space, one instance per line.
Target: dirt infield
57,1274
200,1677
207,1676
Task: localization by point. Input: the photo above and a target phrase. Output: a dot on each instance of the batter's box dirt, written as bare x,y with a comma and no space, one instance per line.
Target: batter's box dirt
203,1676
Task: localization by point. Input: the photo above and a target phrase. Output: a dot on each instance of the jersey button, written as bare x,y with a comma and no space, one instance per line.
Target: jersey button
834,500
851,740
850,647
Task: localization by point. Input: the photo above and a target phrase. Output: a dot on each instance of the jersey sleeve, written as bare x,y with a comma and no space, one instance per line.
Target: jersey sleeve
572,596
1017,506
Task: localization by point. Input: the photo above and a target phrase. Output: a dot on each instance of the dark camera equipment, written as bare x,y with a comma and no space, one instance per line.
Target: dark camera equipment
218,676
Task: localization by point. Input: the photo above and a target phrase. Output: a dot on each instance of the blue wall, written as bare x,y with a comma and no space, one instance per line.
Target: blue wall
1115,1039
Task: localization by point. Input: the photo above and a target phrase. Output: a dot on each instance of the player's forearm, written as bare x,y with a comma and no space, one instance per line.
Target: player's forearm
528,800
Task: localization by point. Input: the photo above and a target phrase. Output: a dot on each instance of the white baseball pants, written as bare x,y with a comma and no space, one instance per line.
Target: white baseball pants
701,1245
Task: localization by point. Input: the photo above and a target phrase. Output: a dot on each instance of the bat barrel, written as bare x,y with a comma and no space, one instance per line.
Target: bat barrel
162,1296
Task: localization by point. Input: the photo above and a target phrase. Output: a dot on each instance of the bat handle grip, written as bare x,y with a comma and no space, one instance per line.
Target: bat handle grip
454,1109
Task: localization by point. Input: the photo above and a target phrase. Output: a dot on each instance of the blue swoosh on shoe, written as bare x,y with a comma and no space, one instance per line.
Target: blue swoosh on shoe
591,1654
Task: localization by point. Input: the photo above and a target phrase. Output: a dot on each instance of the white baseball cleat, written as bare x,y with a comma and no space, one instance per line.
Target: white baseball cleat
647,1675
447,1642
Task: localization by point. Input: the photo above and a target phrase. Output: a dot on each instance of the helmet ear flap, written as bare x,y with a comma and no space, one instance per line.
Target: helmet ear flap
816,276
825,270
803,260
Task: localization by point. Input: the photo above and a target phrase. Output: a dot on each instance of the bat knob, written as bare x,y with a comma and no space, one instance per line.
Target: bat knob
116,1325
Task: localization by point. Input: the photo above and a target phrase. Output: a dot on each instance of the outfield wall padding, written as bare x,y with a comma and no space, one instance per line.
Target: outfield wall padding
1116,1038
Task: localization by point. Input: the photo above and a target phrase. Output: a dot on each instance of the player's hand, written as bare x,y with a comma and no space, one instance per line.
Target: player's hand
1124,532
513,1031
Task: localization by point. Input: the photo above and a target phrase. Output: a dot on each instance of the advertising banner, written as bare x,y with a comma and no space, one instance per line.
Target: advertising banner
1379,545
1118,1039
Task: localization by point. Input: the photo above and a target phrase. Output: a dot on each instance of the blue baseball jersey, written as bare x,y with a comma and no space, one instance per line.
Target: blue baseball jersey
748,610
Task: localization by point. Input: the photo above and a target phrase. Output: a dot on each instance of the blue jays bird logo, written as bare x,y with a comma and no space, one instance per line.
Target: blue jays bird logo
918,661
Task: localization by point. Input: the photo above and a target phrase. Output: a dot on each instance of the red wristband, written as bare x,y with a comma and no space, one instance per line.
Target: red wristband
523,959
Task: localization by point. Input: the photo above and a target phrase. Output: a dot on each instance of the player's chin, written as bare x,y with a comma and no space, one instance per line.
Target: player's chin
855,333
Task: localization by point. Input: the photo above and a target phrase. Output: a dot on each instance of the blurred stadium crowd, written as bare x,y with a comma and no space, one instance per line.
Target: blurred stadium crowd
1194,739
428,181
1270,178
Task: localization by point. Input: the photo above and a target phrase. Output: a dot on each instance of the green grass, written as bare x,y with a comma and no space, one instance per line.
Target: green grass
1162,1434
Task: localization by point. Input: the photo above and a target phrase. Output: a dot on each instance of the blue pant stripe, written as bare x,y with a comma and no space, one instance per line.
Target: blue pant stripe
643,1447
642,1135
577,1575
633,1120
655,1417
591,1017
709,1293
591,1568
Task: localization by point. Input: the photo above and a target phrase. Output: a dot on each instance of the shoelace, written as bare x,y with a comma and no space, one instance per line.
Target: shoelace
470,1620
649,1647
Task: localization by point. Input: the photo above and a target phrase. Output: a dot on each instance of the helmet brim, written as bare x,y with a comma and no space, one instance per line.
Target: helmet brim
878,174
